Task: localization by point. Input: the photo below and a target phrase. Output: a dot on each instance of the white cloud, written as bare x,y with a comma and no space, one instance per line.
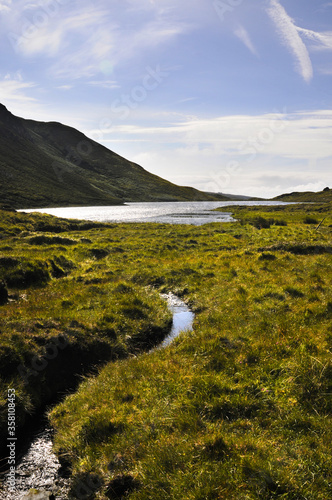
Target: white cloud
107,45
321,41
310,186
243,35
207,173
65,87
300,135
268,186
106,84
13,90
231,153
325,71
66,31
4,5
85,39
288,32
43,42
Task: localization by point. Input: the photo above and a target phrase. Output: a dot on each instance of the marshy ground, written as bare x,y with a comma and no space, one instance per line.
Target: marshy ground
239,408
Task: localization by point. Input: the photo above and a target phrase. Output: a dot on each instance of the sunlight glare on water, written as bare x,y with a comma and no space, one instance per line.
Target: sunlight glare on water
196,213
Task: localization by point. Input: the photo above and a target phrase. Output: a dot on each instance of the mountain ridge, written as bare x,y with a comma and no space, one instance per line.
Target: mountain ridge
48,164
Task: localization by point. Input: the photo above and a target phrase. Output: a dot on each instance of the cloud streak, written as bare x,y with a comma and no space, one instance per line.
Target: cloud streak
290,37
13,90
243,35
322,41
81,40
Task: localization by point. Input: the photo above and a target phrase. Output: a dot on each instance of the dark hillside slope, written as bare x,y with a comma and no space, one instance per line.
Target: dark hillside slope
50,164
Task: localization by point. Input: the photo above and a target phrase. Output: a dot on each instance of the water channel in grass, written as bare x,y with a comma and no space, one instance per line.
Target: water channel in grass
183,318
38,467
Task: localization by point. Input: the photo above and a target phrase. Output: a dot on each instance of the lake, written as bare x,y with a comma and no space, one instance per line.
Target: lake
191,212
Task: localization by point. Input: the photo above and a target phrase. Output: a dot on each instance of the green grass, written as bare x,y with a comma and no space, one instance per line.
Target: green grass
67,306
237,409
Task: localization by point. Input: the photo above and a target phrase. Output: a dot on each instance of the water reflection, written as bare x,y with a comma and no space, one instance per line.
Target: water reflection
197,212
183,317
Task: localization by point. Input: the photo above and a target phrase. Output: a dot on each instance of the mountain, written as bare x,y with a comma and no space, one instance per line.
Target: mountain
50,164
239,197
306,196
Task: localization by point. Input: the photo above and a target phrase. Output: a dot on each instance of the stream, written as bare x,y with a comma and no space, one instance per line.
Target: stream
38,468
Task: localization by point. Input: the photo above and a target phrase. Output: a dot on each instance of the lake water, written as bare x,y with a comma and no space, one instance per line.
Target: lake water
191,212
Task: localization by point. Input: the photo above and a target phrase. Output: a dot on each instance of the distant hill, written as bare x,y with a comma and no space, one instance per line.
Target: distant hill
306,196
238,197
50,164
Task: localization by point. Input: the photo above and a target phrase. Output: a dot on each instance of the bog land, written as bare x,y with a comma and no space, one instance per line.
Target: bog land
239,408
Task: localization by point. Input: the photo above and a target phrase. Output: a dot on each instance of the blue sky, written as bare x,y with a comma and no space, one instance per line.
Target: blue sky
222,95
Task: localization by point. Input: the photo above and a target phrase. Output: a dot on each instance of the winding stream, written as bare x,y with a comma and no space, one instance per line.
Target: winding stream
39,467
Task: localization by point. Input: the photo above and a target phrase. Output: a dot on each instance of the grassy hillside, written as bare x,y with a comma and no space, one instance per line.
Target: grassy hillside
50,164
307,196
238,409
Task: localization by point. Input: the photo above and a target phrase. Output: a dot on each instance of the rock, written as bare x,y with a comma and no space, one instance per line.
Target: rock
39,495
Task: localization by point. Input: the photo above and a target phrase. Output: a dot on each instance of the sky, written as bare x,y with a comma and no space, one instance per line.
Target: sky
229,96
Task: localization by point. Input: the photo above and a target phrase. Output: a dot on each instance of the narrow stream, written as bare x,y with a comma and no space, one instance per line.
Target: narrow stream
183,317
39,467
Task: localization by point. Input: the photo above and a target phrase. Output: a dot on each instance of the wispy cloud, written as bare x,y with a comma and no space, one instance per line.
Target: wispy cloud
187,99
325,6
4,5
327,71
243,35
112,46
65,87
289,34
13,90
296,136
321,41
106,84
65,32
82,40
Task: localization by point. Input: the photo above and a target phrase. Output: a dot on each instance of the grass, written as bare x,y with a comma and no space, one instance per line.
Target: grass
237,409
66,306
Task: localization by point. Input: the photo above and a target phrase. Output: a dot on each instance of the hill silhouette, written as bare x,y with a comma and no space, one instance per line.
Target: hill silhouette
51,164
